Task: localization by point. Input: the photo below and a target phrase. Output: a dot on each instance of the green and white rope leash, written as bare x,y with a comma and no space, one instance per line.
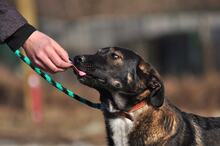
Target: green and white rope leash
57,84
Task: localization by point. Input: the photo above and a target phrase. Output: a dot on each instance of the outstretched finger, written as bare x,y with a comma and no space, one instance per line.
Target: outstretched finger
61,52
58,61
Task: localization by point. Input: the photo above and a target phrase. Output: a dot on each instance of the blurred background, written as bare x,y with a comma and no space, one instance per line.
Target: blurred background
180,38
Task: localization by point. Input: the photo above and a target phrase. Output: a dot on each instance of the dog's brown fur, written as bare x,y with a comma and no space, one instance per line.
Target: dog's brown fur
161,124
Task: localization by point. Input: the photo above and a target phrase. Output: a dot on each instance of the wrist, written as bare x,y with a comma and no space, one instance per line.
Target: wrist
18,39
29,41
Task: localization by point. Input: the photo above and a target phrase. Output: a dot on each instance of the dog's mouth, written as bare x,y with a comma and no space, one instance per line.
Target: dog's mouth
86,73
92,79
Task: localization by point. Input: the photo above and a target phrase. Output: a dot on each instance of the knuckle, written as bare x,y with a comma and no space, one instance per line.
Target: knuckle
54,69
40,54
59,63
48,49
49,44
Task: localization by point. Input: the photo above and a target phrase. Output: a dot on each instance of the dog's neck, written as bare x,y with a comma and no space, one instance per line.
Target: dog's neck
122,126
112,110
119,123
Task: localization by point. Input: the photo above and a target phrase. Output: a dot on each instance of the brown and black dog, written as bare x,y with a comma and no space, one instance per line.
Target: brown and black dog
135,109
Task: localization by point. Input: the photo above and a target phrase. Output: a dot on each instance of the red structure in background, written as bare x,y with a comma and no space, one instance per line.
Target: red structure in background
36,95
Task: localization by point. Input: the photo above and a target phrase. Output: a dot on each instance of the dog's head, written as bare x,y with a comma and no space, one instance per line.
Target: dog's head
122,77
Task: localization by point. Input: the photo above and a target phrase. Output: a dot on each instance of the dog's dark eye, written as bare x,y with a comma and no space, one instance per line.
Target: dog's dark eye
114,56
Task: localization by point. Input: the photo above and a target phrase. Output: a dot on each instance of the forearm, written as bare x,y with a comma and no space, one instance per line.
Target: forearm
10,23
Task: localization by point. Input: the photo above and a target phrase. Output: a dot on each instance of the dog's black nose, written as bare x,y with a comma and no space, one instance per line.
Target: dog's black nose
79,59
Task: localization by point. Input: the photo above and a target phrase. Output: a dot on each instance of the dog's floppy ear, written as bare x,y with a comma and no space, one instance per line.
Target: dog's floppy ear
152,83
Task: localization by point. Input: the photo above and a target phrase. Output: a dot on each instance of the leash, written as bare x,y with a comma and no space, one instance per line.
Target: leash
57,84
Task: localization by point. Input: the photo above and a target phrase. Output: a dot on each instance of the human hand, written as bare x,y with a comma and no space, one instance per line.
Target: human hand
45,53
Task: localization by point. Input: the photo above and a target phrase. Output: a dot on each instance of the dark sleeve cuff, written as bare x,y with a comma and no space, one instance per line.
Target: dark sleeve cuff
20,36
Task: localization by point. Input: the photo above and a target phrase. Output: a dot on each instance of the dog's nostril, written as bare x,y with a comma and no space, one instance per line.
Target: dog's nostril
80,59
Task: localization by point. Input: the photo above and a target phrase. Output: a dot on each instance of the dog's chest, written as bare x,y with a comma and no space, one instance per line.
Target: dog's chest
120,127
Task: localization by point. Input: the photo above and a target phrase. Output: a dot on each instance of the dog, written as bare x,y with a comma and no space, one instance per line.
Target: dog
135,109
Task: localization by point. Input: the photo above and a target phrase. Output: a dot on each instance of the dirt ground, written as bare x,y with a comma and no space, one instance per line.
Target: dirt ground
60,126
66,122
